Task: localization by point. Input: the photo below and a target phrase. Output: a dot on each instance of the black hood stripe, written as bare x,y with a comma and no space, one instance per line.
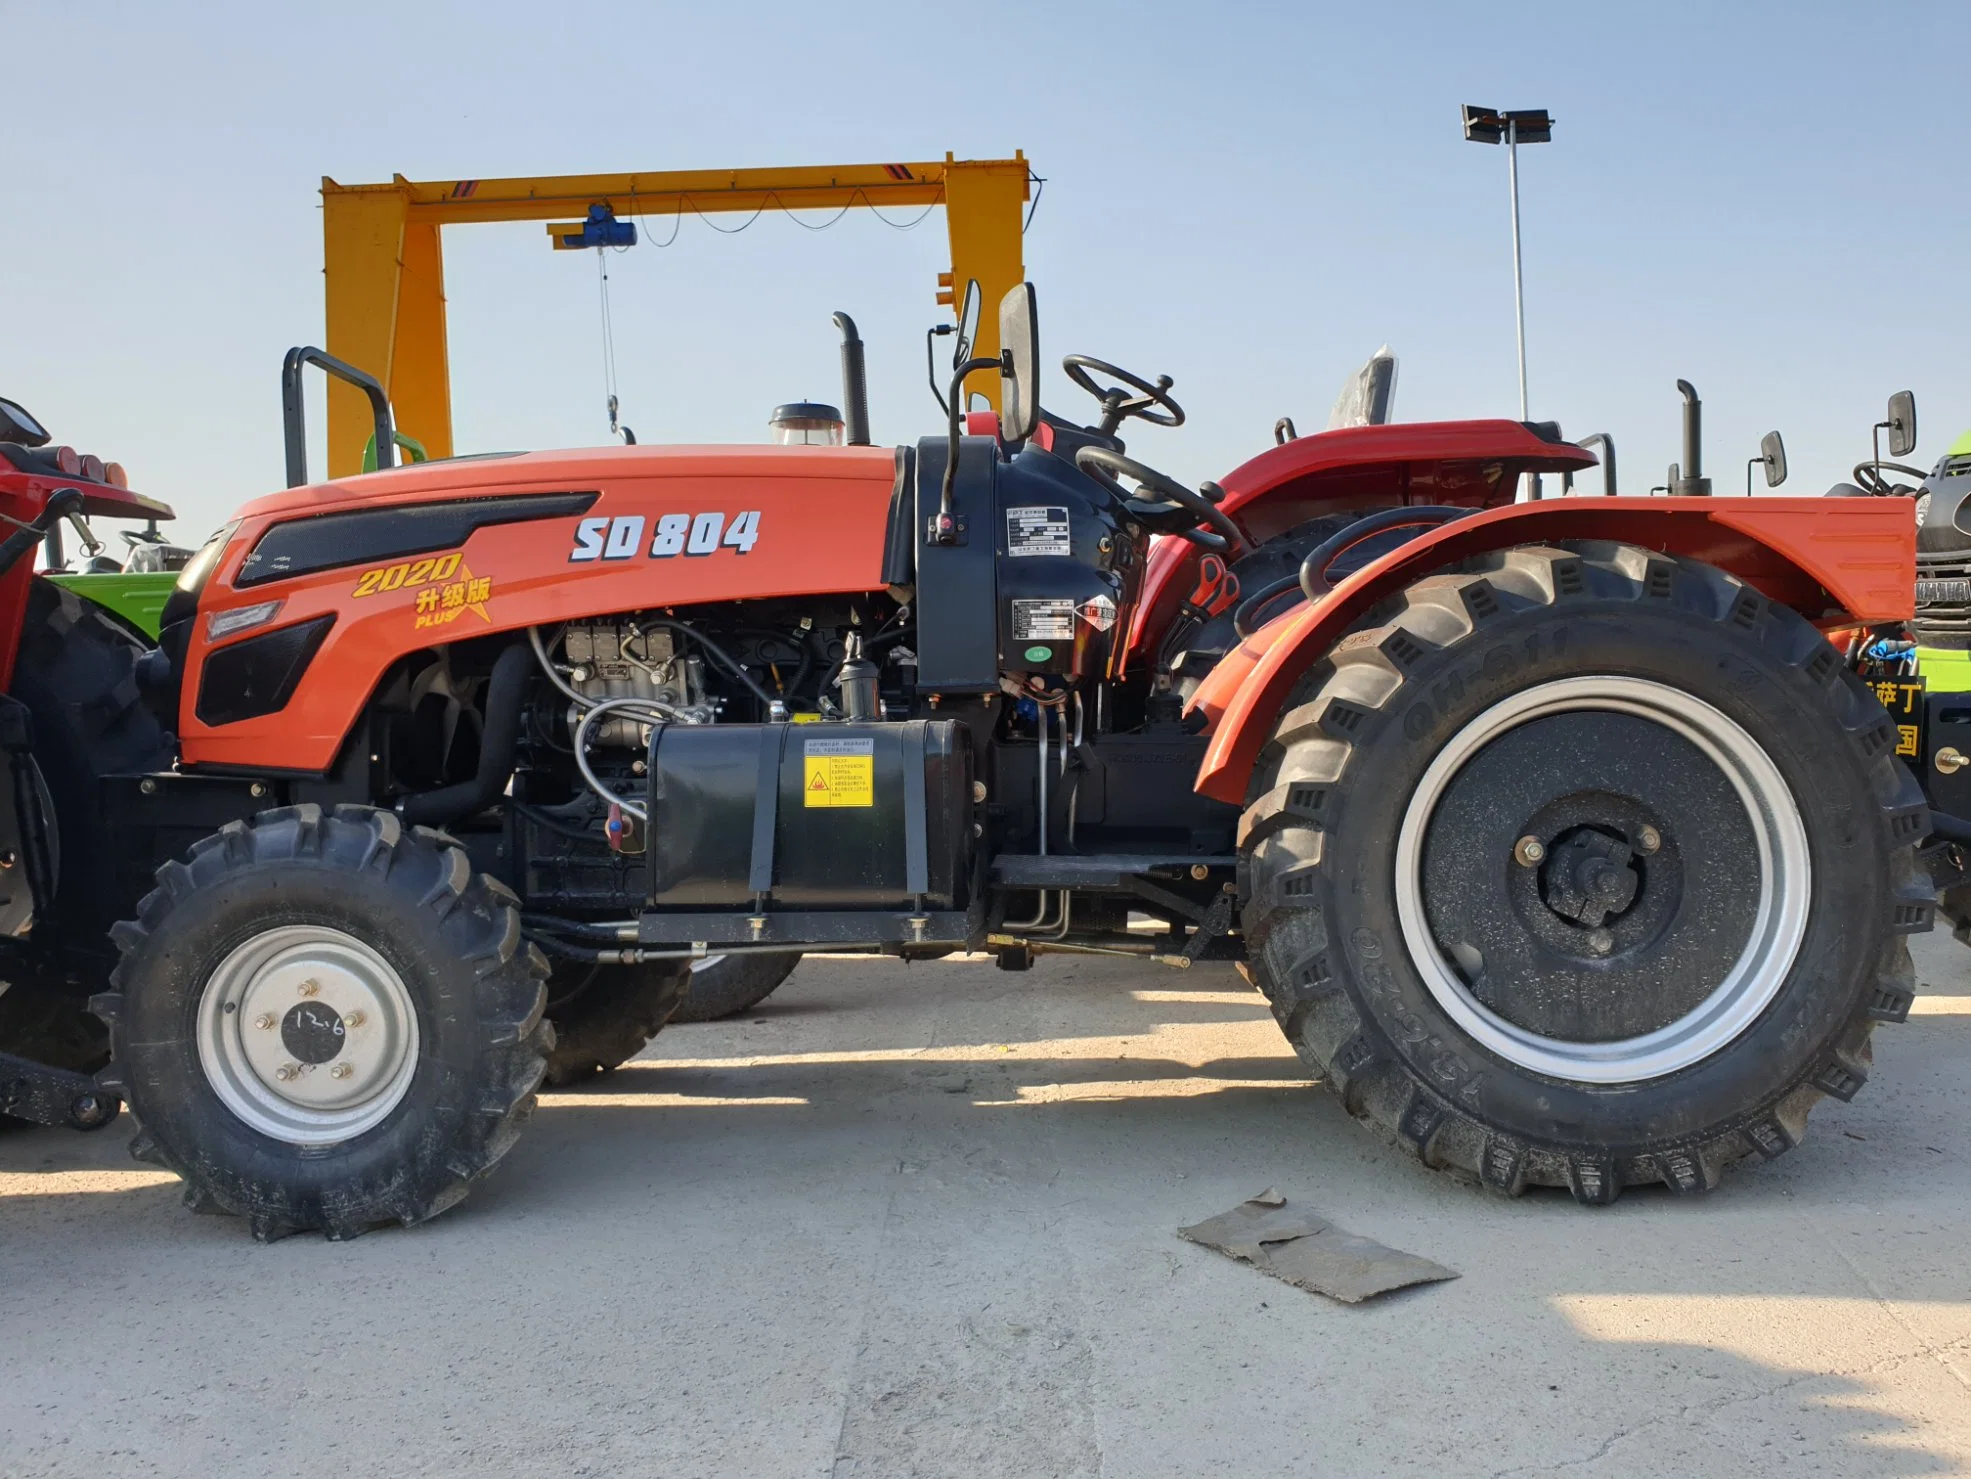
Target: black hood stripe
363,536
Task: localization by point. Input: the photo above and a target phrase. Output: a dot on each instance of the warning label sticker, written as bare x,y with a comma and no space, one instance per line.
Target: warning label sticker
838,772
1037,529
1049,620
1098,611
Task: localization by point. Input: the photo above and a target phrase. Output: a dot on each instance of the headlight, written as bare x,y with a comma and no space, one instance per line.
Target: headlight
225,623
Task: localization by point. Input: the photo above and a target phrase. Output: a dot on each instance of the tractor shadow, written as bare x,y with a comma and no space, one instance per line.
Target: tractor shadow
926,1217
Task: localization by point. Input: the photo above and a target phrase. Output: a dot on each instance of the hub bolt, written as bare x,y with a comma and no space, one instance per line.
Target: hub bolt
1528,852
341,1070
1648,840
288,1071
354,1019
265,1021
1600,941
310,988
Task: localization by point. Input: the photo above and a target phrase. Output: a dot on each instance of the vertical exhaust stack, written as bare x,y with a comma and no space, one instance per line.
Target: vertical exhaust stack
1690,482
855,384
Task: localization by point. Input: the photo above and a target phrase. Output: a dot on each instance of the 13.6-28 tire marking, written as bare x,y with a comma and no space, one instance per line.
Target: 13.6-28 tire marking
621,537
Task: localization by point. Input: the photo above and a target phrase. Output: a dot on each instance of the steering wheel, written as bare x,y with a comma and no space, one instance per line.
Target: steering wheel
1118,406
1158,497
1869,476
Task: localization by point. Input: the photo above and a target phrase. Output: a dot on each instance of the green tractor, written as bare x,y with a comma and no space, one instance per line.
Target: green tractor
133,591
1921,672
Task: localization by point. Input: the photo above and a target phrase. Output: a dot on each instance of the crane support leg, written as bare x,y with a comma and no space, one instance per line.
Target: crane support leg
385,289
362,258
982,209
420,381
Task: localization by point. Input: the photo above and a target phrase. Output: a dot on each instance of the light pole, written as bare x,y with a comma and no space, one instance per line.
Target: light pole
1521,126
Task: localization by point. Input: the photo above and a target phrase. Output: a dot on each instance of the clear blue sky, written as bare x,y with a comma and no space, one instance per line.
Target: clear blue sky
1768,199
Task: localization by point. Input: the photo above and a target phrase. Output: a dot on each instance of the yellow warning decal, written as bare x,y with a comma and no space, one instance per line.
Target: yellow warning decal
838,772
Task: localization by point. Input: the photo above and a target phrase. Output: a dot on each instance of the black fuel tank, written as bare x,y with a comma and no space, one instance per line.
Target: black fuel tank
824,816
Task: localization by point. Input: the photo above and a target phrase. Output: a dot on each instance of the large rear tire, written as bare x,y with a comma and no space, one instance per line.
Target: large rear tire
726,985
1588,868
604,1015
76,675
326,1022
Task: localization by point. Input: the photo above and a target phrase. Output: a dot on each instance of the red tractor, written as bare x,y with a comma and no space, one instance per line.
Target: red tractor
1566,847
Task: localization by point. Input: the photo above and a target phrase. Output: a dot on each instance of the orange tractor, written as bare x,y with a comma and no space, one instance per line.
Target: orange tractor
1566,847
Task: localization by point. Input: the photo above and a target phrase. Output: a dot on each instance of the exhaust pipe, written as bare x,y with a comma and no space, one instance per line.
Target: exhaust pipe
855,385
1690,481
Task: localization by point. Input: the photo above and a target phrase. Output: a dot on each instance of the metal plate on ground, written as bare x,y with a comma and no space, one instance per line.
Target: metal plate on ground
1310,1252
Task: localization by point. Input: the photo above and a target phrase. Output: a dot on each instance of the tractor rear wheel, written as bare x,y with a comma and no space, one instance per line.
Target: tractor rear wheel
326,1021
76,676
1589,867
726,985
603,1015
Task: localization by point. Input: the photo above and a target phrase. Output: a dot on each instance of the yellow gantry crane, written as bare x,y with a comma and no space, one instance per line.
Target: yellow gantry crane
384,266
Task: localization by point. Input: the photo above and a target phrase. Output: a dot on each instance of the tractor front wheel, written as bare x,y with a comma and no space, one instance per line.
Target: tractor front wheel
1588,868
326,1021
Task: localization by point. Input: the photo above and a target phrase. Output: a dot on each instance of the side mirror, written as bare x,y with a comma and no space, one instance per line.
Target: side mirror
1019,364
1901,424
968,324
1772,457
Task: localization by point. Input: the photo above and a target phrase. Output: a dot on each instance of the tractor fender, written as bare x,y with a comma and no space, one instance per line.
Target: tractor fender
1837,561
1341,470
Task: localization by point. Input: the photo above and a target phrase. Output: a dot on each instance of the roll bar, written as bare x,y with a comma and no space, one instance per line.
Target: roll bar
294,422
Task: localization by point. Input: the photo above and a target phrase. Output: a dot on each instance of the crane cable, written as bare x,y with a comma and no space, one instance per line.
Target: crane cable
609,351
677,220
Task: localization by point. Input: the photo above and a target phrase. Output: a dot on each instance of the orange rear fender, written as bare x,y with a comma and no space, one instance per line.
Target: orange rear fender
1835,560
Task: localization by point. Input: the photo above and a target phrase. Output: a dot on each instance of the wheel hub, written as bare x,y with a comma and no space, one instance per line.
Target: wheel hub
308,1034
313,1032
1589,877
1603,879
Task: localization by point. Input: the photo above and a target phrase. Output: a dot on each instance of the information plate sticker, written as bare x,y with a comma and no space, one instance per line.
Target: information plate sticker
838,772
1048,620
1037,529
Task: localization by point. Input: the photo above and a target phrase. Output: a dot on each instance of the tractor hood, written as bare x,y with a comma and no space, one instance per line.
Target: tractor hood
583,468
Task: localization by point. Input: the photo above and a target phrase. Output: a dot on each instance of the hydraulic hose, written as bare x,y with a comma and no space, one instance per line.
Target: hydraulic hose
724,659
1314,569
1243,616
497,738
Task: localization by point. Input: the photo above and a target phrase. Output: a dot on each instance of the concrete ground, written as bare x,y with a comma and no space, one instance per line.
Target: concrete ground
919,1221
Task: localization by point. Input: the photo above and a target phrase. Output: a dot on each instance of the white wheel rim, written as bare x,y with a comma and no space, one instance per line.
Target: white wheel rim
1780,919
705,963
308,1035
